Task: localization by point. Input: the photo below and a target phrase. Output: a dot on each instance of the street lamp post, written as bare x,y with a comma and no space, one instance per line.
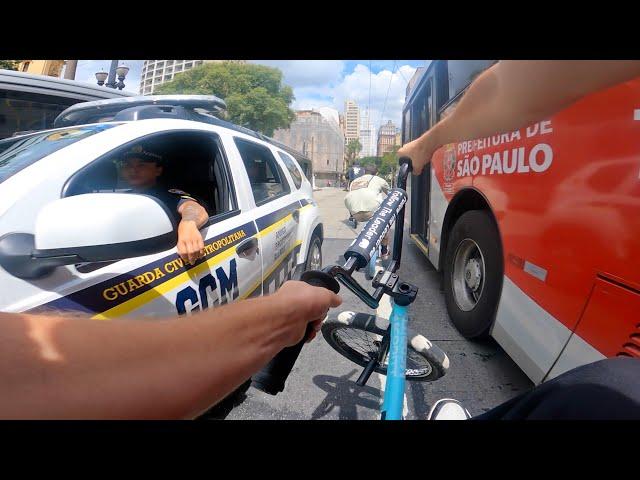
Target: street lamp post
110,77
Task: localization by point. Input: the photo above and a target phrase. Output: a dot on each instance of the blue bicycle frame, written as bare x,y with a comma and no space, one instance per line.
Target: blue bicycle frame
395,385
363,254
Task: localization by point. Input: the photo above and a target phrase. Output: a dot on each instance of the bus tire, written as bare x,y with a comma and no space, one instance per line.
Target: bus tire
473,272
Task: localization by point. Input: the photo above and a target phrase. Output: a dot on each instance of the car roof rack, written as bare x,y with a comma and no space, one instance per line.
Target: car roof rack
105,110
199,108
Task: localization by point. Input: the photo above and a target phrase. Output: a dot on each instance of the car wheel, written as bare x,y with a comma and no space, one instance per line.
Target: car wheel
314,255
473,272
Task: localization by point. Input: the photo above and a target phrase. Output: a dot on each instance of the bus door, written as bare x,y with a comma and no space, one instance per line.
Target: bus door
417,121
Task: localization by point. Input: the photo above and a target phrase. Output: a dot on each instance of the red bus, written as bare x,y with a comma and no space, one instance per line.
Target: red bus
536,230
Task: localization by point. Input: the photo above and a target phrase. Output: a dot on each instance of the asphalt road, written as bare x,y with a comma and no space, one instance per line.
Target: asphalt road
322,383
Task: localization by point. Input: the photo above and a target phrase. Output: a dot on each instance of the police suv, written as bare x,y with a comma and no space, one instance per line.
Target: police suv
74,237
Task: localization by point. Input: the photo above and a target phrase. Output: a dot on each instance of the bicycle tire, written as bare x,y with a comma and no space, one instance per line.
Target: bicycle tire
425,361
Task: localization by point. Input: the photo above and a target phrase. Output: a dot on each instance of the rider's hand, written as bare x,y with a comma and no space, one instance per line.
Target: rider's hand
419,151
300,304
190,242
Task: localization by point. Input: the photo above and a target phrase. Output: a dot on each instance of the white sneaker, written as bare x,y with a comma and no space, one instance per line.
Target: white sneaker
448,409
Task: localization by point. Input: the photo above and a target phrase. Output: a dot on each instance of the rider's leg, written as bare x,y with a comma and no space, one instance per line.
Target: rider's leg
607,389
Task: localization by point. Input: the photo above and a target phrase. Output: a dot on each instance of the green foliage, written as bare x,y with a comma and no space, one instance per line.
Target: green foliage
389,162
254,94
353,148
364,161
9,64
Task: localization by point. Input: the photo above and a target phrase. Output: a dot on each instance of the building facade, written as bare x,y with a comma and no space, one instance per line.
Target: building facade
367,136
157,72
386,138
351,121
318,137
50,68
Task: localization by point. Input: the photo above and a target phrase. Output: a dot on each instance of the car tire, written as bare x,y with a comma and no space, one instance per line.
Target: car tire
314,254
473,272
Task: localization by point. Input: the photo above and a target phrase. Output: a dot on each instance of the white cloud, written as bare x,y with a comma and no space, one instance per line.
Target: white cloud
308,73
385,84
316,83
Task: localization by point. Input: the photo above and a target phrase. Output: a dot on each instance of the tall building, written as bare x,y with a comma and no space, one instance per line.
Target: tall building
367,136
51,68
317,135
157,72
386,138
351,121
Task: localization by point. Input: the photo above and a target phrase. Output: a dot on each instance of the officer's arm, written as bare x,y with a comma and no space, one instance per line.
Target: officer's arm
514,94
190,242
57,367
193,212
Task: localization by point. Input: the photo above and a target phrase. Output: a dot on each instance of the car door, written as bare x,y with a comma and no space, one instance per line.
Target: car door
162,284
276,212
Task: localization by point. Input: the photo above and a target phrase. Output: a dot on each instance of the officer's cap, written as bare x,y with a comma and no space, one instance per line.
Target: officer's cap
143,154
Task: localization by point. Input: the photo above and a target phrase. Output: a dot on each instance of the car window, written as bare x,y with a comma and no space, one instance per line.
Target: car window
266,177
289,162
181,161
24,152
184,163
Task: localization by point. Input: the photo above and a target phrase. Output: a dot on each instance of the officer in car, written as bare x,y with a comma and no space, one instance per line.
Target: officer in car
140,168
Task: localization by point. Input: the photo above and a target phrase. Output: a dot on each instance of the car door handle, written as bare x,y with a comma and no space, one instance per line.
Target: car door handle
248,248
296,215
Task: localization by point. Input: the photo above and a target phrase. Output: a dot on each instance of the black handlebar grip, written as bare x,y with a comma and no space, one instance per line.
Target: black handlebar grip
272,377
376,228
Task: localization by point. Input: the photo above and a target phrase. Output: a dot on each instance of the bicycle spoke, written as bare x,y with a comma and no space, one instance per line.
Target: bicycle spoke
367,345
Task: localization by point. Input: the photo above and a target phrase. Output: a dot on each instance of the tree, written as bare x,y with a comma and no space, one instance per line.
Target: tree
353,148
254,94
389,162
9,64
364,161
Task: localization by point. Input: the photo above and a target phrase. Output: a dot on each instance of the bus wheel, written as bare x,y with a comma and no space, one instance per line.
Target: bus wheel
473,274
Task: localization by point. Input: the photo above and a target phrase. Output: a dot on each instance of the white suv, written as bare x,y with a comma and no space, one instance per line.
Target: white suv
71,238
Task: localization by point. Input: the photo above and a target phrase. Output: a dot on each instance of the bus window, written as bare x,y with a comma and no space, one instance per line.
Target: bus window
21,111
421,112
463,72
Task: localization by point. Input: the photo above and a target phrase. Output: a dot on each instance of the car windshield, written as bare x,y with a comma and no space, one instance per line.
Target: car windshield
19,153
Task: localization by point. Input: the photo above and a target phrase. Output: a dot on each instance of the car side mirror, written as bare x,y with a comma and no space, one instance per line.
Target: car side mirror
95,227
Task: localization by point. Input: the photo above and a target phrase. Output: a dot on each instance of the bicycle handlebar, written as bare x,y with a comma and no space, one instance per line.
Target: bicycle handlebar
272,377
364,246
391,209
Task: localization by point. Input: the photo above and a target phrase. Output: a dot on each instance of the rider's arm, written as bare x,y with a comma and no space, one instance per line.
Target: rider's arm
515,94
190,242
57,367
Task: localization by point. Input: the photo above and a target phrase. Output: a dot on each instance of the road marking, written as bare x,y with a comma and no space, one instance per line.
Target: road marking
384,311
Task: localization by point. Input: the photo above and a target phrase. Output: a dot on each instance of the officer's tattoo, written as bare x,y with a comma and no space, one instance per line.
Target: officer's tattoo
193,212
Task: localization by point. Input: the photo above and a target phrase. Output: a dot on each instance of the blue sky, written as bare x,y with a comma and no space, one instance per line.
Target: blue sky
378,84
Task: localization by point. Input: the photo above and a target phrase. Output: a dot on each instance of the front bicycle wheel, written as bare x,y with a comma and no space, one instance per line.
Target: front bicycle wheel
358,336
